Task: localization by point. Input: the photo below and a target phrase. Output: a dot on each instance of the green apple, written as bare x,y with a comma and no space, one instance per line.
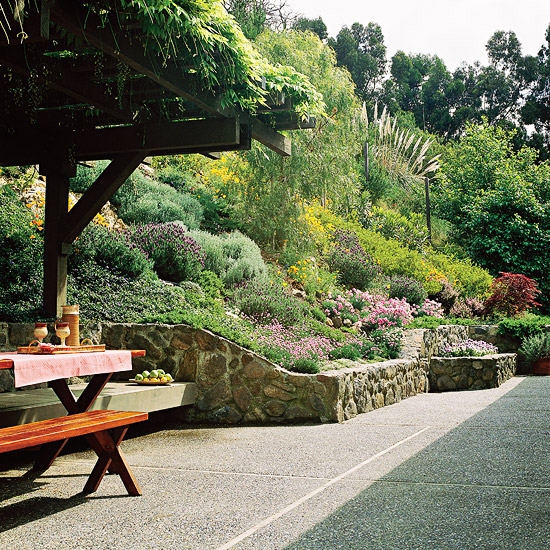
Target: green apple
145,374
139,377
154,374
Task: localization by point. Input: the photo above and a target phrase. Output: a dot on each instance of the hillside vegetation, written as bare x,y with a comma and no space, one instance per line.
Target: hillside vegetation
304,259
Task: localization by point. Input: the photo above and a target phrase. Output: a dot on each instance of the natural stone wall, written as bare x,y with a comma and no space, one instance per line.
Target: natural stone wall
235,385
471,373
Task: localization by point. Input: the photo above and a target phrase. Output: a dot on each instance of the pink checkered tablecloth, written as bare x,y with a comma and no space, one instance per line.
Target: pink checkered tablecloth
33,369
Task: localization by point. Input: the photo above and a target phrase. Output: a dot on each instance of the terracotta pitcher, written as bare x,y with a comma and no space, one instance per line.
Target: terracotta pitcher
71,315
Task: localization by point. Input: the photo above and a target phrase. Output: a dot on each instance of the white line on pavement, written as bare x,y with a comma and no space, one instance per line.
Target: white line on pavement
307,497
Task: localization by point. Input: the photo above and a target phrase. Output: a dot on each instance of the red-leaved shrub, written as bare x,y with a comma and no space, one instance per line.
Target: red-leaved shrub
512,294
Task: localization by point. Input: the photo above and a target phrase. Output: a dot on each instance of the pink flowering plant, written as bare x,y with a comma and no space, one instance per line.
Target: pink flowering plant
293,347
386,313
338,305
430,308
467,348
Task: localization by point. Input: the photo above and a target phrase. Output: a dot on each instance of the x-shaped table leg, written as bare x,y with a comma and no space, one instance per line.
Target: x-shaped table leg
111,458
73,405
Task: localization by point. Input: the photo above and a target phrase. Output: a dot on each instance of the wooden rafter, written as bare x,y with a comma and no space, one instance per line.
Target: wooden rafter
31,147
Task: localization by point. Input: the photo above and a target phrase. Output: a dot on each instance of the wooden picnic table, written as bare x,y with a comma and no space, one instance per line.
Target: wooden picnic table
56,370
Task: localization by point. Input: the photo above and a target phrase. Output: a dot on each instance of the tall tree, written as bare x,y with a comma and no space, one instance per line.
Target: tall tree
536,110
498,201
316,26
362,51
254,16
325,164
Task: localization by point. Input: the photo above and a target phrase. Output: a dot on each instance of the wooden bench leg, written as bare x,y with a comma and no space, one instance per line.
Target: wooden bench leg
111,458
48,453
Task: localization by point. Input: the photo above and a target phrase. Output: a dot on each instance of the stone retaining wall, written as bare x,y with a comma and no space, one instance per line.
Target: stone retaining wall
471,373
236,385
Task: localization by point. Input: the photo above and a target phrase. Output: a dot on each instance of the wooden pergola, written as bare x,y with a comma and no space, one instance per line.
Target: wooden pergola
63,101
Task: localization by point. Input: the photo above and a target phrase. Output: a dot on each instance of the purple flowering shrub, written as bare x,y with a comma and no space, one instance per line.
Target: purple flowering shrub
175,255
355,268
467,348
412,290
263,300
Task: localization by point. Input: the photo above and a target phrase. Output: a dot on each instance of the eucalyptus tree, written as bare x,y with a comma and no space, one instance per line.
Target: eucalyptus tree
362,51
316,26
254,16
536,110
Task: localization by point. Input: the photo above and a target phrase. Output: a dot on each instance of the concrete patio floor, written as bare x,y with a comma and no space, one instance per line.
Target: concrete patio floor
459,470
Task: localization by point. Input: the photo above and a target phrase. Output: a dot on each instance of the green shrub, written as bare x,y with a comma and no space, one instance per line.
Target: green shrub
213,319
104,295
429,268
355,268
217,216
233,257
388,341
175,177
265,300
111,249
86,175
21,256
410,231
523,326
175,255
412,290
243,257
142,200
211,284
306,366
214,255
536,346
162,207
352,352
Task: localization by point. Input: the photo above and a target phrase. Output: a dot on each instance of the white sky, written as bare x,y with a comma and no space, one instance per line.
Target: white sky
455,30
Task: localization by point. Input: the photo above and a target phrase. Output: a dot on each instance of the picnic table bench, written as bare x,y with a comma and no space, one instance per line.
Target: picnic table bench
104,429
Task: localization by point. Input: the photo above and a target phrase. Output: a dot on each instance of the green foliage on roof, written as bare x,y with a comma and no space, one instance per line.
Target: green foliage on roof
199,36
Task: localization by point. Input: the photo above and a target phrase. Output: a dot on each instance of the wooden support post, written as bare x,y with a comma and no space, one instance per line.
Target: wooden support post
428,214
58,169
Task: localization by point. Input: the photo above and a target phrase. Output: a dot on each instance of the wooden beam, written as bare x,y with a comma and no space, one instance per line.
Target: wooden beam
169,137
83,212
270,138
30,147
58,169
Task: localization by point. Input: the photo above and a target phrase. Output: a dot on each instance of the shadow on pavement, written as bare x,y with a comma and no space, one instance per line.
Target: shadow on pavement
484,485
